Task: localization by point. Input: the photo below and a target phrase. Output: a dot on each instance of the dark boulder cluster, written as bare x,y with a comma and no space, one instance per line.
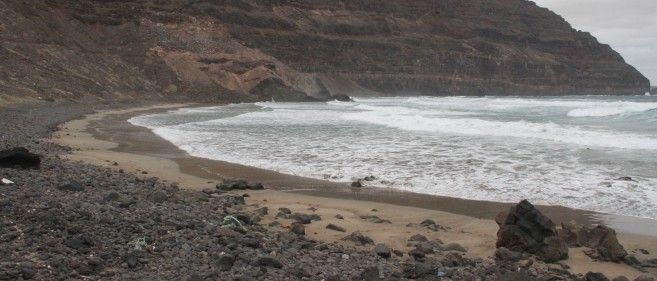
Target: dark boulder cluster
428,224
525,229
228,185
601,243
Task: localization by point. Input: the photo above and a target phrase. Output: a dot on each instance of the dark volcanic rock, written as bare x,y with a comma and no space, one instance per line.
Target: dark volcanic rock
374,219
302,218
358,238
568,233
454,247
78,242
357,184
298,228
335,227
595,276
269,261
418,238
72,185
344,98
225,261
527,230
229,185
626,179
603,240
19,157
370,274
382,250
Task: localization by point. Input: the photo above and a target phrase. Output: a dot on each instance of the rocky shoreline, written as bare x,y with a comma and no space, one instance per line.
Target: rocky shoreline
70,220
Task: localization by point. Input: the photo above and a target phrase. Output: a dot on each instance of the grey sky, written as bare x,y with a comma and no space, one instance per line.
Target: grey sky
629,26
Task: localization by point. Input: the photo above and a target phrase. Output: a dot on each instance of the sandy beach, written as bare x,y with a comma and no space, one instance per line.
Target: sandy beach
107,139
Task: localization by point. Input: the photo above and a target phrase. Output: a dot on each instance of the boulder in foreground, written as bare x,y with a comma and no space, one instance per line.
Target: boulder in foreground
603,241
525,229
19,157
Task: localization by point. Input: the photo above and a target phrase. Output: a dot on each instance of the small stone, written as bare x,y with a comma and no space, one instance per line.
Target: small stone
454,247
338,216
417,254
131,260
159,197
269,261
125,202
301,218
382,250
595,276
95,261
77,243
358,238
209,191
111,196
335,227
507,255
417,270
418,238
262,211
71,186
225,261
27,271
370,274
298,229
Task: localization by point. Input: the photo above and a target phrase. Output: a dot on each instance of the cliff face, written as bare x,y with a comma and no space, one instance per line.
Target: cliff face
246,50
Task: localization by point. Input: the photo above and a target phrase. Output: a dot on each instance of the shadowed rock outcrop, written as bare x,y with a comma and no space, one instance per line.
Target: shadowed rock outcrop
19,157
601,240
525,229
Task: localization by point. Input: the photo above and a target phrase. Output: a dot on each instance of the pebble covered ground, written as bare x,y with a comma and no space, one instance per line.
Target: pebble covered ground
68,220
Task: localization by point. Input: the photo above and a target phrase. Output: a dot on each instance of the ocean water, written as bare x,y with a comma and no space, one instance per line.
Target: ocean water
569,151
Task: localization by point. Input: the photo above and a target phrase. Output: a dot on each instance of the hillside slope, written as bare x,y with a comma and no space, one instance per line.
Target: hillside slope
247,50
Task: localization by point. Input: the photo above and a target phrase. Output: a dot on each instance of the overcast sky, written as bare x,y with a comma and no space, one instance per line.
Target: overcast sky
629,26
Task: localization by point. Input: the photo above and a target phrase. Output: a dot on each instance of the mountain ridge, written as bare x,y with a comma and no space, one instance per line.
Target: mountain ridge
249,50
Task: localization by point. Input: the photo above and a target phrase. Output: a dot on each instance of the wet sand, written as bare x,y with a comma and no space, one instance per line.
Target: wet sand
107,139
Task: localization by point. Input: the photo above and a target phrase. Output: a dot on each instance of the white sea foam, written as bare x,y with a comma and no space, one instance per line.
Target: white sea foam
578,107
406,120
613,109
501,149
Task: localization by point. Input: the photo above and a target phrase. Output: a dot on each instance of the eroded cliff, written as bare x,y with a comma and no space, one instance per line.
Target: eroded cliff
247,50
